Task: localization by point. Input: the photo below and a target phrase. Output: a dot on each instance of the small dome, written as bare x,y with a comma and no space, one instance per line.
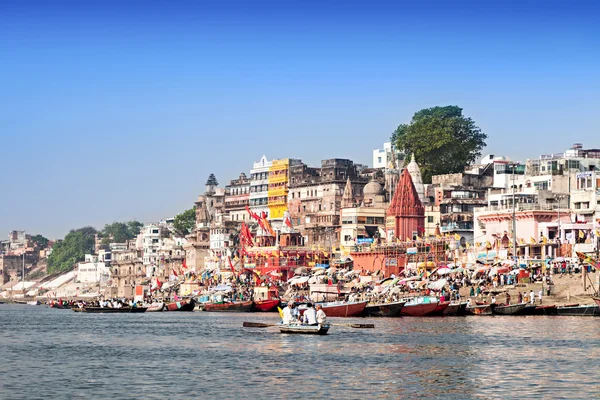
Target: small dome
372,189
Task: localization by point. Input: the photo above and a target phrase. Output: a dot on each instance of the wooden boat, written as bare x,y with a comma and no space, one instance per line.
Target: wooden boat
546,310
339,309
479,309
305,329
266,305
108,310
156,307
576,309
510,309
597,300
186,305
384,309
441,307
454,309
529,309
238,306
419,307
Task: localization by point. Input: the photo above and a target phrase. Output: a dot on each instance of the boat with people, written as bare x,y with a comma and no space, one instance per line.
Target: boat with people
508,309
230,306
304,329
185,305
339,308
419,306
579,310
391,309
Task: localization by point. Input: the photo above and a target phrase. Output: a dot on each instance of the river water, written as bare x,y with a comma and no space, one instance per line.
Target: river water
53,354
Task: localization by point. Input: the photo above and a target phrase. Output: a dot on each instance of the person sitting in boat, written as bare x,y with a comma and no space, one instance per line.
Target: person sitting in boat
289,313
320,315
310,315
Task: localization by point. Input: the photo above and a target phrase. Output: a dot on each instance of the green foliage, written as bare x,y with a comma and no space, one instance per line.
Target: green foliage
120,232
442,140
66,253
40,241
184,223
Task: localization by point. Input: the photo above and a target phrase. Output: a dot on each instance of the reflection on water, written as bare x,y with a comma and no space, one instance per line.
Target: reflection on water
51,353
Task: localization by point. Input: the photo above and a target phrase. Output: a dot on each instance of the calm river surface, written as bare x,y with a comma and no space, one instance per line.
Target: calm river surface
54,354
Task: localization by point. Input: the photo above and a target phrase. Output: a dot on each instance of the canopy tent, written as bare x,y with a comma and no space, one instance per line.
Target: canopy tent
443,271
437,285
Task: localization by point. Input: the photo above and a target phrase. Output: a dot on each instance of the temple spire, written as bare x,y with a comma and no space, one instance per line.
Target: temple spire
407,209
348,198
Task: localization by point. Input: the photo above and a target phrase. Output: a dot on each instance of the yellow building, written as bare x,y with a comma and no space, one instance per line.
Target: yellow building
278,188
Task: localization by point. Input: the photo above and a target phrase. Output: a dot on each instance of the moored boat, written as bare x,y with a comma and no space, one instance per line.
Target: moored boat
546,310
108,310
266,305
508,309
479,309
576,309
340,309
597,300
156,307
455,309
238,306
187,305
419,307
34,303
305,329
441,307
529,309
384,309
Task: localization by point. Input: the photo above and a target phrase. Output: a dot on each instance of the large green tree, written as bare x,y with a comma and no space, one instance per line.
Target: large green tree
184,223
72,249
442,140
119,232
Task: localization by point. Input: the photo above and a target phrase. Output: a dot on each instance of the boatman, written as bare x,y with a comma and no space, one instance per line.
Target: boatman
310,315
288,313
321,317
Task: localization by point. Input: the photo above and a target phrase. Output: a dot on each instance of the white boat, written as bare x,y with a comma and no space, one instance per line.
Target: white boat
304,329
34,303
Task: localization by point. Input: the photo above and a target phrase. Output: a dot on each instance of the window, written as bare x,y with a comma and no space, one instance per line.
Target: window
347,238
154,230
379,159
430,219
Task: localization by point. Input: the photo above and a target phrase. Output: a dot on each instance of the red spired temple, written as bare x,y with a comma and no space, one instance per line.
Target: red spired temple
406,210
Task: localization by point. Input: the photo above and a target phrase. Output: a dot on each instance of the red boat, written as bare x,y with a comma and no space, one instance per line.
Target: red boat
239,306
266,305
441,307
418,309
186,305
339,309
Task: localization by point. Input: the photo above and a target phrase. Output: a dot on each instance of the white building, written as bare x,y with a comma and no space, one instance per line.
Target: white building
92,270
383,157
259,186
150,244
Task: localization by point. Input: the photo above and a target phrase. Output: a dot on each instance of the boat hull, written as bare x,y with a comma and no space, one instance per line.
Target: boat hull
441,307
418,310
340,309
107,310
582,311
181,305
304,329
156,307
384,309
513,309
242,306
529,309
483,309
266,305
453,309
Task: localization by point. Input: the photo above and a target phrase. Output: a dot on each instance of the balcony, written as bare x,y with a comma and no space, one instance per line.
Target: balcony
457,226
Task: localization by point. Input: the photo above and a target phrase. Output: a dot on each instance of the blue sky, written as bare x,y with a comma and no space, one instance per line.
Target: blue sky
113,110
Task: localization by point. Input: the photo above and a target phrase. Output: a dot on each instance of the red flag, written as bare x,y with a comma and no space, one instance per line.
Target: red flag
158,283
288,222
184,264
175,272
231,265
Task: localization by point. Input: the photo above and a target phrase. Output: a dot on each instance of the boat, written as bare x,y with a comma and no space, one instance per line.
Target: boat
266,305
34,303
384,309
109,310
304,329
597,300
419,306
187,305
546,310
156,307
529,309
508,309
339,309
237,306
576,309
441,307
479,309
455,309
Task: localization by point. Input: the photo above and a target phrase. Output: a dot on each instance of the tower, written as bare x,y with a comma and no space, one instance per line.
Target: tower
415,174
348,197
407,209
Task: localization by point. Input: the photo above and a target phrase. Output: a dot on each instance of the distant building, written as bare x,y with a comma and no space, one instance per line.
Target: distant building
237,198
92,270
383,157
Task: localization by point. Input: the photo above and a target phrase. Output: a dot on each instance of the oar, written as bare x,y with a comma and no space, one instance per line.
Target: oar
257,325
356,325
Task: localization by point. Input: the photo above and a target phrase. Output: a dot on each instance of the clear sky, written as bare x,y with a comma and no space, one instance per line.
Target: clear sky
114,110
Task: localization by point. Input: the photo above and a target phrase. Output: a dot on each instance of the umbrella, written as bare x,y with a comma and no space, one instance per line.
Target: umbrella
319,272
274,273
300,270
459,269
444,271
437,285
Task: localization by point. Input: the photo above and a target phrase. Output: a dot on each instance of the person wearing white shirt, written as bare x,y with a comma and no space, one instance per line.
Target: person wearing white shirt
310,315
532,297
321,317
288,317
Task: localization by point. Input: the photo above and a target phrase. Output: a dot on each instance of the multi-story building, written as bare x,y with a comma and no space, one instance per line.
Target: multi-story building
259,186
237,198
315,198
150,243
383,157
93,271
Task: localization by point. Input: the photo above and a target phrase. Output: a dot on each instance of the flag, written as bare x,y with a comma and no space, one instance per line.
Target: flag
231,265
175,272
158,283
532,240
456,236
581,234
467,245
544,240
521,241
597,233
288,222
184,265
